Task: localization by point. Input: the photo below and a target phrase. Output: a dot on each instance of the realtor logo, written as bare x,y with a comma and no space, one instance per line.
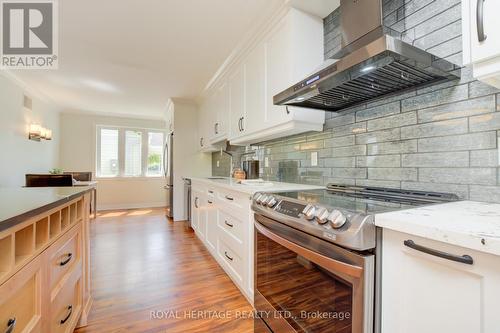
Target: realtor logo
29,34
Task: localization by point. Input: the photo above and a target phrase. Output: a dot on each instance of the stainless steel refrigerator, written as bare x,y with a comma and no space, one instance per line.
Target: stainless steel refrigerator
168,172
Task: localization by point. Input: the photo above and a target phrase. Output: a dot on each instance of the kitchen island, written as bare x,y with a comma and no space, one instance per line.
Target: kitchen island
44,258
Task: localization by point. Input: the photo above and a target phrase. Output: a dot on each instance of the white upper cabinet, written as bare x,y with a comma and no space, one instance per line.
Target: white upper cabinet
255,92
481,39
206,116
292,49
220,113
237,102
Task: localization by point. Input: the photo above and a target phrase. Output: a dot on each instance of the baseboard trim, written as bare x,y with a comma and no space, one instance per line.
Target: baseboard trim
101,207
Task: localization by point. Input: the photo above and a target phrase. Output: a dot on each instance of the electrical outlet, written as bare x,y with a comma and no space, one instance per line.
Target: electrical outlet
266,162
218,163
314,158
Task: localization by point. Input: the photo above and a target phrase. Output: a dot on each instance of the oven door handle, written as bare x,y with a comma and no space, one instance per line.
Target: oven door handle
330,264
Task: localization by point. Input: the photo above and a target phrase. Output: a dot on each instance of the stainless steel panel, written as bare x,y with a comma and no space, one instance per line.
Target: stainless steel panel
359,17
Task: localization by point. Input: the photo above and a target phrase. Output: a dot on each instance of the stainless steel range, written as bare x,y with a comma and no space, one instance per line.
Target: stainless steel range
315,256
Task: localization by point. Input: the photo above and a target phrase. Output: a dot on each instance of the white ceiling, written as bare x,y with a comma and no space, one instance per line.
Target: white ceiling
127,57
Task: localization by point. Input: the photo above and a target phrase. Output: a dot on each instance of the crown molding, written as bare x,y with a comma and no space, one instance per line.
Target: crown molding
248,42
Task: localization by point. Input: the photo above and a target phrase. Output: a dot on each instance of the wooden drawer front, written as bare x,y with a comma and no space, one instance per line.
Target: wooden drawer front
20,300
63,255
232,258
233,226
231,200
67,305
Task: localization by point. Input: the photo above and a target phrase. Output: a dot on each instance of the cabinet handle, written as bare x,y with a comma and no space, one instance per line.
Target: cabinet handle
201,142
11,324
210,191
480,20
464,259
229,198
70,312
239,124
210,202
228,257
68,259
229,224
242,127
216,128
196,202
287,111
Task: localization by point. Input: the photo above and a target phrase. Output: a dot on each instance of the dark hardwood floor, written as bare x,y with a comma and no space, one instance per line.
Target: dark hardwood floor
142,263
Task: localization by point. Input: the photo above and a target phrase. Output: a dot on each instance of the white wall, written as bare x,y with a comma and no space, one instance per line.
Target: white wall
77,153
20,155
188,162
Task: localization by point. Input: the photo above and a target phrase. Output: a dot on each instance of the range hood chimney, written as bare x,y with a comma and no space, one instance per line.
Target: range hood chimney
374,61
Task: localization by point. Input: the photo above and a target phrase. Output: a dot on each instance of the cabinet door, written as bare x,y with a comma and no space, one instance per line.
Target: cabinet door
422,292
255,92
195,208
211,224
490,47
278,72
20,299
221,112
237,102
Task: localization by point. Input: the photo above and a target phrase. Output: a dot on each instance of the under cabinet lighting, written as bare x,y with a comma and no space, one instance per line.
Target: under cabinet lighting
48,135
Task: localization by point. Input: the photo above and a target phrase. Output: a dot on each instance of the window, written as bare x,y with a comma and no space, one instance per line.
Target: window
109,152
155,153
133,161
129,152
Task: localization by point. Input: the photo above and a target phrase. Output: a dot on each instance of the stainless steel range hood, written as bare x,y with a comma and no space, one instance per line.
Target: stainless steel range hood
374,61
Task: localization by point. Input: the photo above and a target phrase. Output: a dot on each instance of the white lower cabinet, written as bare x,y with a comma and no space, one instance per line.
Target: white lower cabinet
223,221
423,292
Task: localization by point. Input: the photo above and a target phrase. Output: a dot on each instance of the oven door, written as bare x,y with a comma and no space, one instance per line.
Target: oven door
305,284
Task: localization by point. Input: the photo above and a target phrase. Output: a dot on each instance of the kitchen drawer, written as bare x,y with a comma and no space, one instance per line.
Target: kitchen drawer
232,257
20,299
234,201
66,307
233,226
63,255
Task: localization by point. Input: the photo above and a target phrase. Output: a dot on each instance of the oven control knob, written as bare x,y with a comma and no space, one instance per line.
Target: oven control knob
337,219
258,198
263,199
322,215
309,213
271,202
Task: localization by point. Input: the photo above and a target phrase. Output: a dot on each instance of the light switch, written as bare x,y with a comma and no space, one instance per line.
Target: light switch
314,158
266,162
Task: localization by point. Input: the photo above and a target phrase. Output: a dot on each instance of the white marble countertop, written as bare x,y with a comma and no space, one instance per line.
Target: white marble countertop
232,184
470,224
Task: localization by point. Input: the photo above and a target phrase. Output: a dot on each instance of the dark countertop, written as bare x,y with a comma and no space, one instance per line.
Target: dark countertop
19,204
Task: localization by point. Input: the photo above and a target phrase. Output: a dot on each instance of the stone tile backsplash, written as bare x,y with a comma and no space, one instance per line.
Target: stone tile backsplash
440,138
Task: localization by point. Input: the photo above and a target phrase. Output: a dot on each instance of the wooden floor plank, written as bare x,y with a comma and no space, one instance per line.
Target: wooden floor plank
143,263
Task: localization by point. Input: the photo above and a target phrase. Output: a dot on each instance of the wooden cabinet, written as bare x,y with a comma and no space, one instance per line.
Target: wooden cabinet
48,290
480,38
21,299
422,292
228,232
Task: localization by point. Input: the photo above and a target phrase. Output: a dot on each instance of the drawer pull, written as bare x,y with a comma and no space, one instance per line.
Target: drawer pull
464,259
211,192
11,324
68,259
229,224
210,202
228,257
481,36
229,198
70,312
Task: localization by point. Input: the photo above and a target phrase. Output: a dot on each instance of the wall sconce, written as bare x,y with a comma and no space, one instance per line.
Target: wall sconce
37,133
